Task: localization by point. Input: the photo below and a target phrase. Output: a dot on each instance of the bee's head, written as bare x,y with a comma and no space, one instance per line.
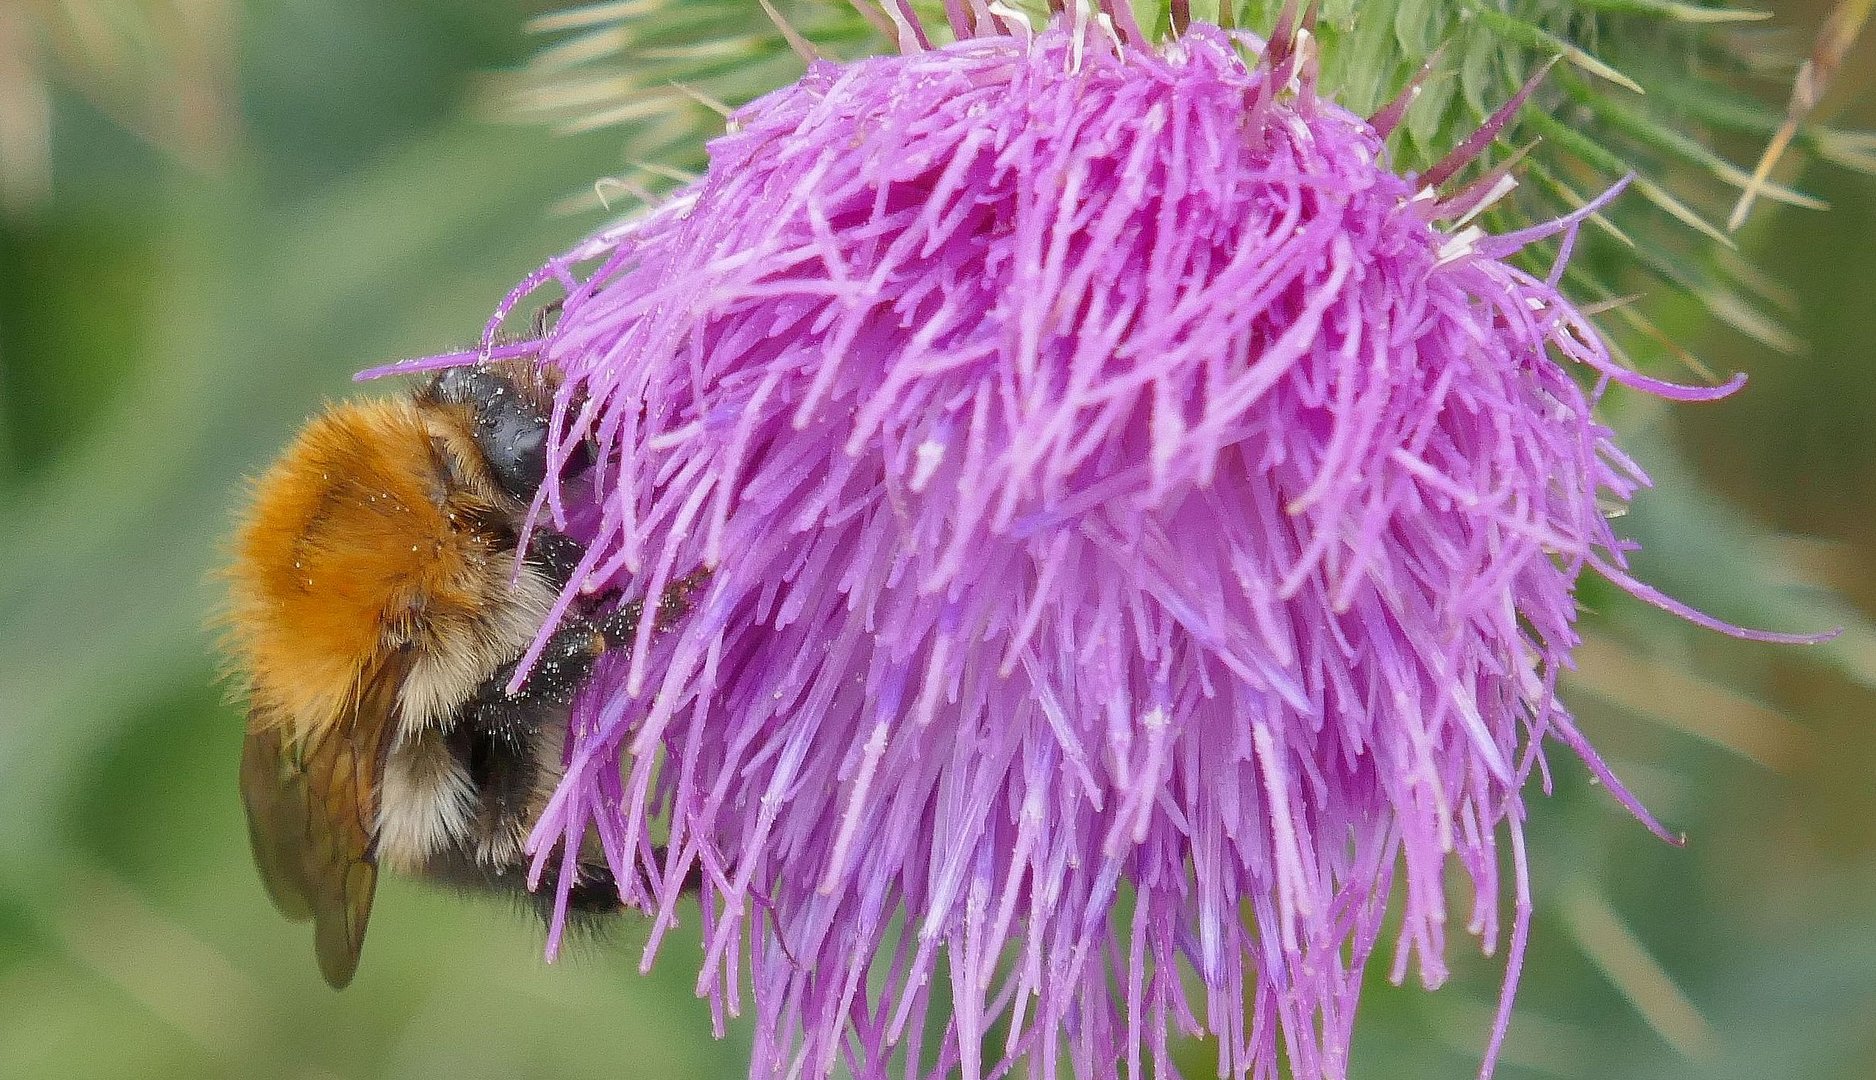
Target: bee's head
508,408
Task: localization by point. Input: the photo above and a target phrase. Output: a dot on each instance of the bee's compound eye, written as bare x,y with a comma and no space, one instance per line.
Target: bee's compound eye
509,430
516,446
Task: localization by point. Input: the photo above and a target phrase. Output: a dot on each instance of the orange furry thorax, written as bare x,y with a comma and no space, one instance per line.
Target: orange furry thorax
362,540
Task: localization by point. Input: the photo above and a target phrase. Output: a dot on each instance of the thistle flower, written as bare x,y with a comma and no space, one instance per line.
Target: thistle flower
1142,531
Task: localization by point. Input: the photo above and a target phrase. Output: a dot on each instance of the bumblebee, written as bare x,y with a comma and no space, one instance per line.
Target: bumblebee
378,612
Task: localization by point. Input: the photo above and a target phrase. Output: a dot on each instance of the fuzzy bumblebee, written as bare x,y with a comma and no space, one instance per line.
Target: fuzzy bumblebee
380,603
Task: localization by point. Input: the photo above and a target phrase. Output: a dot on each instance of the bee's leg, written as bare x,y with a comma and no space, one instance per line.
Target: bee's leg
559,671
566,662
593,897
545,317
557,555
596,892
619,627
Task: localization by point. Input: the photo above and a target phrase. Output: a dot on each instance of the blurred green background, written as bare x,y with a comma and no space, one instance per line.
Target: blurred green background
212,212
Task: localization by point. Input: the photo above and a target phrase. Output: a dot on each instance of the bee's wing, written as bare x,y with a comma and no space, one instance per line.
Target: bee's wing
312,810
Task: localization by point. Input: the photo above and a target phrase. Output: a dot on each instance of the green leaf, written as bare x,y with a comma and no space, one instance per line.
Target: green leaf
1671,9
1420,25
1675,144
1484,71
1536,37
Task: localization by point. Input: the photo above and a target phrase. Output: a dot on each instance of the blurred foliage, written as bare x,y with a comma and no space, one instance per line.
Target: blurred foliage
162,71
168,315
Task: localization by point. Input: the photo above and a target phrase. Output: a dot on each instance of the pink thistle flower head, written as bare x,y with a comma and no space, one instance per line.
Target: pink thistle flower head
1141,532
